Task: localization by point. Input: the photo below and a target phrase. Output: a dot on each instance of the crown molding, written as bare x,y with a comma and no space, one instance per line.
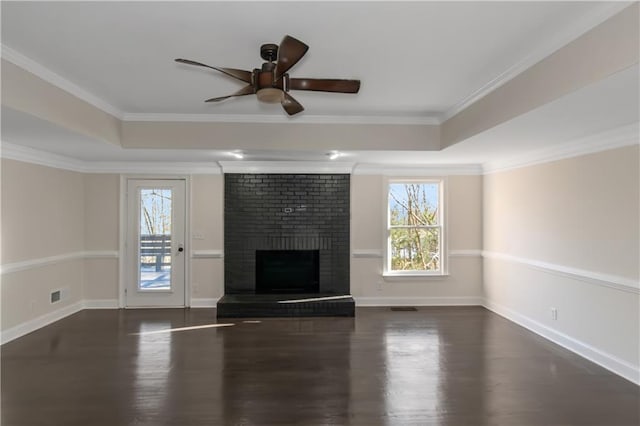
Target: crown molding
571,33
51,77
614,138
282,119
301,167
426,170
33,156
611,139
155,167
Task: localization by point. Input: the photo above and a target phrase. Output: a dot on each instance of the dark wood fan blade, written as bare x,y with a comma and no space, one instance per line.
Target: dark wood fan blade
247,90
290,105
231,72
291,50
324,85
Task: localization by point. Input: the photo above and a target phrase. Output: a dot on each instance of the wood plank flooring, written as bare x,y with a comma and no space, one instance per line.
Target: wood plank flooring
435,366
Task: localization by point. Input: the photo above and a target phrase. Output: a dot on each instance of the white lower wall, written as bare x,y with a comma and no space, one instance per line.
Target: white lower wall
207,281
597,321
26,293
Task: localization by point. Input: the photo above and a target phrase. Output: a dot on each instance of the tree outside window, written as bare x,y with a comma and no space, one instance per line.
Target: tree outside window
414,227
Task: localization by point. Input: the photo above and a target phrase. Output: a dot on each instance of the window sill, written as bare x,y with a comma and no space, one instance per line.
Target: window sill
387,276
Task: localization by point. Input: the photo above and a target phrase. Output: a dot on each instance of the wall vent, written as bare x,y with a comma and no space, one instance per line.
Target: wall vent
56,296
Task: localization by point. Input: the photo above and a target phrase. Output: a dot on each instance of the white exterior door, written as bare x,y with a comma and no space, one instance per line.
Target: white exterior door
155,243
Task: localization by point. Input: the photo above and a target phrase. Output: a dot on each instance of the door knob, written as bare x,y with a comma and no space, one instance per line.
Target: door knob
180,248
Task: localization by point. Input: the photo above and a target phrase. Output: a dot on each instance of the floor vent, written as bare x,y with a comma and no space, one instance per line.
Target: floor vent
55,296
403,308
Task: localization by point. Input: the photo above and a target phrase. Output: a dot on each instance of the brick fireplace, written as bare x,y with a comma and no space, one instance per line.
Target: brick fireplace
277,229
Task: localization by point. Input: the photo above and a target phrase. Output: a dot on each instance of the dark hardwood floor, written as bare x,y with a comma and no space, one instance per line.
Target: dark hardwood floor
434,366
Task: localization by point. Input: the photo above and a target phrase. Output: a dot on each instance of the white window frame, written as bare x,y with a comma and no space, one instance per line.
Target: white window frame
442,209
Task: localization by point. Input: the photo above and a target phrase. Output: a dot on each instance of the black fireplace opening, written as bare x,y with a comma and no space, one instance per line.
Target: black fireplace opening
287,271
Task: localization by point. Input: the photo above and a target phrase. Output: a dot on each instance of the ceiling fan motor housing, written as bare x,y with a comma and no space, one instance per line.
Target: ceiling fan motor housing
269,52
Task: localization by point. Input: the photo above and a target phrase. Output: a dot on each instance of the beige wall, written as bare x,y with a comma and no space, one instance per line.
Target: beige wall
101,236
42,218
580,212
207,273
102,209
42,211
565,235
464,232
289,136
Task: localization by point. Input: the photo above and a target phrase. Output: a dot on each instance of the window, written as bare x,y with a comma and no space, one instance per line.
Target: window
415,232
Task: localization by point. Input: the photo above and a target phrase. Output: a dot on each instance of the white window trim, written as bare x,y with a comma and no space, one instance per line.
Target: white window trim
443,211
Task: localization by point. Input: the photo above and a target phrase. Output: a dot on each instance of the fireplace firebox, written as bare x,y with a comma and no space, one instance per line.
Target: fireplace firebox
287,271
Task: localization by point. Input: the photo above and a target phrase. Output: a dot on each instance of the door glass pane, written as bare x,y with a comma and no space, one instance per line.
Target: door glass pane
155,239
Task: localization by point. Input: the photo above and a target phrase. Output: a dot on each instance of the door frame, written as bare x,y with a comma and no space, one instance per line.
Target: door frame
122,234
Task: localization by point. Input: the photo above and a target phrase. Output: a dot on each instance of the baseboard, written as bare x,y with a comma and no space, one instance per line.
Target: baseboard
608,361
418,301
101,304
39,322
203,303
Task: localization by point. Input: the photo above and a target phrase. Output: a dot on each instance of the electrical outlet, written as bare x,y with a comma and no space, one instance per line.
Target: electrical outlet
554,314
32,305
379,285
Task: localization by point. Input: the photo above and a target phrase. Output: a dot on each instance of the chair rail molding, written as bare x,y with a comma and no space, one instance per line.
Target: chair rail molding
58,258
606,280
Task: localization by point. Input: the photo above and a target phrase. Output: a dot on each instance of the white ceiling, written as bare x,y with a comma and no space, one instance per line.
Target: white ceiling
422,60
415,59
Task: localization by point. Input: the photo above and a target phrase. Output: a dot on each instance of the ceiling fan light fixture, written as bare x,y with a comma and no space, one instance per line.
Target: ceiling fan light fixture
270,95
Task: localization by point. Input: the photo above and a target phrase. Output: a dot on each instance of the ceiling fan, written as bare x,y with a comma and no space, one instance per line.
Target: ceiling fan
272,83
